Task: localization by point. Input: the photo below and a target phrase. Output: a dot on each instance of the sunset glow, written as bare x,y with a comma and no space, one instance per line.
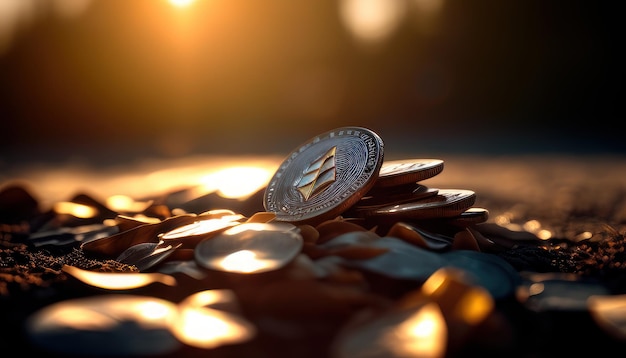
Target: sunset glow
181,3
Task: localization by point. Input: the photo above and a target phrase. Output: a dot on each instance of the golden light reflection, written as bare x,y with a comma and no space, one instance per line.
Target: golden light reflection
502,219
423,334
452,290
77,210
208,328
245,261
181,3
209,297
475,305
201,227
188,175
124,203
609,312
237,181
544,234
536,289
151,310
532,225
118,281
372,21
76,316
105,313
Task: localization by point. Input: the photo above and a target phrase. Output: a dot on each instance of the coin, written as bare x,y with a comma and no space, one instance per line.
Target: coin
324,176
106,325
404,171
469,217
447,203
250,248
392,197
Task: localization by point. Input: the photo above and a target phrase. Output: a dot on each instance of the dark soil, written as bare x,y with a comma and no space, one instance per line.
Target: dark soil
31,276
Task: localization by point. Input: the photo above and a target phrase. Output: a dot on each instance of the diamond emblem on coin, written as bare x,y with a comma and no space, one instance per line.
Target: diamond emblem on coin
318,175
324,176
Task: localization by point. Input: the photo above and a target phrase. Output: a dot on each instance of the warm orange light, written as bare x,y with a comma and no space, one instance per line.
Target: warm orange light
372,20
245,261
452,289
118,281
238,181
78,210
105,313
126,203
209,328
181,3
423,334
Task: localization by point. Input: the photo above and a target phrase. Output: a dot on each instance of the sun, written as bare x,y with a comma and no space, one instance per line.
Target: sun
181,3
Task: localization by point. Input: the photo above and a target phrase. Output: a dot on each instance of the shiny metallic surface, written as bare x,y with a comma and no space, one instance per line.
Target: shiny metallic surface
447,203
405,171
325,175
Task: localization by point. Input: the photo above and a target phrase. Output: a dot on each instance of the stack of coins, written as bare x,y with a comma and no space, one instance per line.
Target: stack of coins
342,173
399,195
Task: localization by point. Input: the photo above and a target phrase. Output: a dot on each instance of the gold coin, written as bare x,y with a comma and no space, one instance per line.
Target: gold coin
324,176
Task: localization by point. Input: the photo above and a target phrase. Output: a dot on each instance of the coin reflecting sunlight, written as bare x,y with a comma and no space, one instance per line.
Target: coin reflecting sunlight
201,324
107,325
609,312
118,281
250,248
416,331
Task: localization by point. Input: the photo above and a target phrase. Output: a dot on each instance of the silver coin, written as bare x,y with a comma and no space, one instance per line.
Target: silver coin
324,176
447,203
250,248
405,171
418,192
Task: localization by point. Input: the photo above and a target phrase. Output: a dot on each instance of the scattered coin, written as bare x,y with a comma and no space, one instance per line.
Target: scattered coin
105,325
250,248
324,176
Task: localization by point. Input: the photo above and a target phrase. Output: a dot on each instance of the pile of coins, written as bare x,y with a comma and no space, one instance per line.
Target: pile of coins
342,173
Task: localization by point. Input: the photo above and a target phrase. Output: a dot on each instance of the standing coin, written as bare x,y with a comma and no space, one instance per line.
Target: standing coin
324,176
405,171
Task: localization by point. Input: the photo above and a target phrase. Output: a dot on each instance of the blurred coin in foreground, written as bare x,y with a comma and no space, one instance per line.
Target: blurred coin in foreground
324,176
107,325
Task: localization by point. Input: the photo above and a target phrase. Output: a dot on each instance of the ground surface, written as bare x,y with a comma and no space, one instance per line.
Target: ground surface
579,201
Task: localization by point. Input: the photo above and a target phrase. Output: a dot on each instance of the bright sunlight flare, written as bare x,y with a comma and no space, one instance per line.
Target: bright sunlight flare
181,3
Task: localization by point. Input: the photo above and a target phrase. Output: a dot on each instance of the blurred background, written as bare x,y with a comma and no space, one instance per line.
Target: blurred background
110,81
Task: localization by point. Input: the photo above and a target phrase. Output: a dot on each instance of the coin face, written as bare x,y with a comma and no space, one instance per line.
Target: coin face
405,171
325,176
